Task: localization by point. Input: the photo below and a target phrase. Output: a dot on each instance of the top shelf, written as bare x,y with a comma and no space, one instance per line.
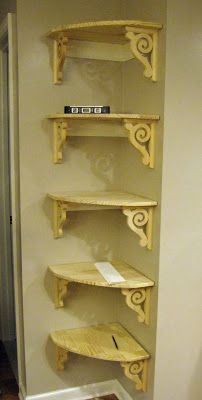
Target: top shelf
101,31
142,37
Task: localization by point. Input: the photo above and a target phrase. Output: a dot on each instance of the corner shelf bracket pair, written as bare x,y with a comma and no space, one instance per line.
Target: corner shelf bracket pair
139,220
140,131
136,299
95,340
136,371
142,37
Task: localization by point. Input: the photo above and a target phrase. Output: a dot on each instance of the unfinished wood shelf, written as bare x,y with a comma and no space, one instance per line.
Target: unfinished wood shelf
97,342
136,287
142,37
139,128
137,209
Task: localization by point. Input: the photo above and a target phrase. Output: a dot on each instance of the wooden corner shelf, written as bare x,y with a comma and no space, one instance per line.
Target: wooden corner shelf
142,37
139,128
137,209
136,287
97,342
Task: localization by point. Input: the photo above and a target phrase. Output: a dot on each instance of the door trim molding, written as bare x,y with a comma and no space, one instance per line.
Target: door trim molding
8,38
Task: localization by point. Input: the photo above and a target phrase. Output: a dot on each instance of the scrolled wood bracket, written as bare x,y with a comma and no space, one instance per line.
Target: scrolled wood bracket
141,136
61,292
139,221
60,130
139,301
143,43
59,218
59,55
62,356
137,372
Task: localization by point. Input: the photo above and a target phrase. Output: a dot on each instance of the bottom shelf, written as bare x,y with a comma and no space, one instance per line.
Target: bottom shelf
109,342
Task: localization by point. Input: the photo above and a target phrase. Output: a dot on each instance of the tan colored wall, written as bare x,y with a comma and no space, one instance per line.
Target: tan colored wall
93,236
179,333
90,164
143,96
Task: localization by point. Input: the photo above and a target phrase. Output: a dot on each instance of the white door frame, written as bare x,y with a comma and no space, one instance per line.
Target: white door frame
6,304
8,35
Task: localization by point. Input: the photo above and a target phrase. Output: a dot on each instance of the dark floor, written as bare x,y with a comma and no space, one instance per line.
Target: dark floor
109,397
8,384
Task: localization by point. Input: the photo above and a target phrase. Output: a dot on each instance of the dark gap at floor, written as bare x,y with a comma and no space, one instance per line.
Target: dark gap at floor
108,397
8,383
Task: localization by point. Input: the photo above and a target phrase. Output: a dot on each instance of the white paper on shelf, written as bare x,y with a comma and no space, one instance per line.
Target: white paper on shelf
109,273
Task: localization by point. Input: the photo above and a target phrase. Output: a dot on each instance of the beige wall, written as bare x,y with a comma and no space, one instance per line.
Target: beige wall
143,96
96,164
179,333
90,164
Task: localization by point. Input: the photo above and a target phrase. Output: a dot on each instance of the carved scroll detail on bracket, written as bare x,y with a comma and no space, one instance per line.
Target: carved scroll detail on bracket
59,218
141,137
139,301
137,372
62,357
60,129
139,221
143,44
61,292
60,53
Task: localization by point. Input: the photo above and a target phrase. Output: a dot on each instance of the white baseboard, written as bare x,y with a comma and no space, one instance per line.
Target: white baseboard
82,392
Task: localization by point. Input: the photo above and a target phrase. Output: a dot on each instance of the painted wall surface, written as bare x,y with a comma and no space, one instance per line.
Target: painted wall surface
143,96
90,164
104,164
179,333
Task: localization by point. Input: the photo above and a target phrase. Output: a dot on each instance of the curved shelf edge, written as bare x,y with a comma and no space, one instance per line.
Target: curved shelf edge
136,288
98,26
110,342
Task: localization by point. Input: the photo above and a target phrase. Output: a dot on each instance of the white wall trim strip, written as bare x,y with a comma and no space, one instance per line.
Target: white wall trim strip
82,392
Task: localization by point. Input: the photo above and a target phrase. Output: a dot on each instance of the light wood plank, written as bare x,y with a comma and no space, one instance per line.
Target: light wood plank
101,31
87,273
97,342
115,199
105,117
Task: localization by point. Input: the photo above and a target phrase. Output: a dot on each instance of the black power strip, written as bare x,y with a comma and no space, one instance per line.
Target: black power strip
87,109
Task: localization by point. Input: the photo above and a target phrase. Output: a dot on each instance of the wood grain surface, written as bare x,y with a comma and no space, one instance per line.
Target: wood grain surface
97,342
87,273
117,199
